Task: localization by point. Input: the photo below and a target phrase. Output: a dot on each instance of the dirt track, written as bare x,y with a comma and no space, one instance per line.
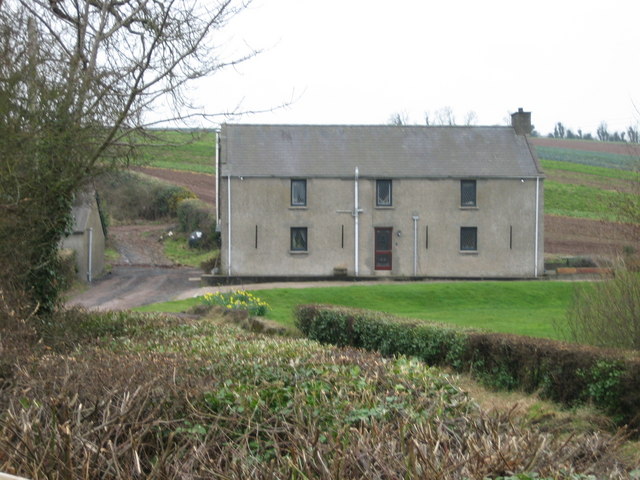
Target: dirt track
141,275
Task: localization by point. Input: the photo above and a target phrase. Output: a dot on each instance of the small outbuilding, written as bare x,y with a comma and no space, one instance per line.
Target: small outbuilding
376,201
87,239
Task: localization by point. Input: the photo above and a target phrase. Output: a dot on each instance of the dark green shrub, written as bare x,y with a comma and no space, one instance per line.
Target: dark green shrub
166,199
383,333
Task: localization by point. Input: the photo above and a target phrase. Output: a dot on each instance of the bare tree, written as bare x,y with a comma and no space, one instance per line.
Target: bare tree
470,118
603,132
398,119
559,130
77,78
445,116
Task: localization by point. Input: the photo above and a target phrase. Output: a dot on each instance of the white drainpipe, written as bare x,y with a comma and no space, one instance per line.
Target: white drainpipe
229,223
90,259
217,166
415,245
535,267
355,216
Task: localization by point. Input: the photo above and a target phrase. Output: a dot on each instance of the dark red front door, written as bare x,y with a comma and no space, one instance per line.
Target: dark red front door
383,242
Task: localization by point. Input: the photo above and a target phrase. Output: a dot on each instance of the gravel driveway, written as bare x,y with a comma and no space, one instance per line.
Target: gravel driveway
142,274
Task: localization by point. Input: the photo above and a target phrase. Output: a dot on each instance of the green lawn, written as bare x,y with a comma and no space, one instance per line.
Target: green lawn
520,307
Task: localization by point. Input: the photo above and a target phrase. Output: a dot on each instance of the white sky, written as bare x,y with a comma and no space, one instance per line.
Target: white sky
360,61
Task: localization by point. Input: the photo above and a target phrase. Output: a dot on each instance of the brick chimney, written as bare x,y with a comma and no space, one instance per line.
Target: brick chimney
521,122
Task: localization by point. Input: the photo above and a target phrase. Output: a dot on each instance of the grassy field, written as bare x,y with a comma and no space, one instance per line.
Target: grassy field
598,159
190,150
586,191
550,166
525,308
581,201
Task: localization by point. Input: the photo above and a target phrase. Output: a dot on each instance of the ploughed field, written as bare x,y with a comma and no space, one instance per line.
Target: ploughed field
583,179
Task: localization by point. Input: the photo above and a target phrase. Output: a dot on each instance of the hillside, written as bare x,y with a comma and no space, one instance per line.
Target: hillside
585,180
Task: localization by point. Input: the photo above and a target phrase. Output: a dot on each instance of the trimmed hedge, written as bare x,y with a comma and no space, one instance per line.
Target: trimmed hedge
570,374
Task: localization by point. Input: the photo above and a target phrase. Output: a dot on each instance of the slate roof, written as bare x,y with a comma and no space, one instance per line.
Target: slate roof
378,151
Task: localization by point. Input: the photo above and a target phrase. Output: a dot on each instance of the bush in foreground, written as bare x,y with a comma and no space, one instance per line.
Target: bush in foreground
137,396
566,373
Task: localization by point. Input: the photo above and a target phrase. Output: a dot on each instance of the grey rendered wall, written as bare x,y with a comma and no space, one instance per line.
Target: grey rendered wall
261,219
79,242
98,244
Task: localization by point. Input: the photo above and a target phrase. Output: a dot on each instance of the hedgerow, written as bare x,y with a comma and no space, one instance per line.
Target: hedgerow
570,374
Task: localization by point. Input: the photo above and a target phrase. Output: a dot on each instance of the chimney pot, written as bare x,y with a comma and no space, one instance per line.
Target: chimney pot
521,122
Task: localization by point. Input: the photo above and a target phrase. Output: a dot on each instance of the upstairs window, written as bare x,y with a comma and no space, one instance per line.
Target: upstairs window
467,193
383,193
298,193
299,239
469,239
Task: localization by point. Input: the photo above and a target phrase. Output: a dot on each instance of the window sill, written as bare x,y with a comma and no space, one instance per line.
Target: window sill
384,207
469,208
468,252
298,207
298,252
